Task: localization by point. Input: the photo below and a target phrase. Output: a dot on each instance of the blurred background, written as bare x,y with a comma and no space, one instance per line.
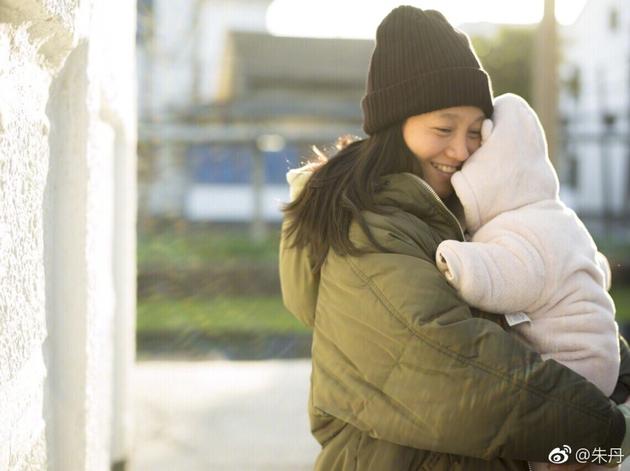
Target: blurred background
232,94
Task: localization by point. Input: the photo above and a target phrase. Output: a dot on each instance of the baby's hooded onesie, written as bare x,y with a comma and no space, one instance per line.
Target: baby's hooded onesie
530,257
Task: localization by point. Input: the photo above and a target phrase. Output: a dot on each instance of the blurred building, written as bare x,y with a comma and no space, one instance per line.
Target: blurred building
225,108
222,120
594,107
179,48
277,97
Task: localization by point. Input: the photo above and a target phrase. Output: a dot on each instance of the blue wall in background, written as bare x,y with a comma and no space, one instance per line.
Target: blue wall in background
232,164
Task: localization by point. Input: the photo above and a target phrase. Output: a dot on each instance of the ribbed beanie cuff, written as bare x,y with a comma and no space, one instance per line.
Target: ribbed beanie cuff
460,86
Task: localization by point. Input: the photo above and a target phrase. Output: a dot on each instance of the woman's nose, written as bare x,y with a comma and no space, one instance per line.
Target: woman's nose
458,150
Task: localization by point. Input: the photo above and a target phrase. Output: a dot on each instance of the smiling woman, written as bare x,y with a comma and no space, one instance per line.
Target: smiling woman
392,340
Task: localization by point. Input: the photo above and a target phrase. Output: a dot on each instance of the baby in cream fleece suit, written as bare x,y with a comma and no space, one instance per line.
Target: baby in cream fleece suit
530,257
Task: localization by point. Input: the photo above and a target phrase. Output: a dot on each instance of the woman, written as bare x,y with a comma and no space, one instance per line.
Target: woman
405,375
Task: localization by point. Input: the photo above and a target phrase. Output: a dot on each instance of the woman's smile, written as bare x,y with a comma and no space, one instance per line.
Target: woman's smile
445,169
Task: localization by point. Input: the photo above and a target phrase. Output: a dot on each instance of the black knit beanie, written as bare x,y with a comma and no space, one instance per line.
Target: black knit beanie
421,64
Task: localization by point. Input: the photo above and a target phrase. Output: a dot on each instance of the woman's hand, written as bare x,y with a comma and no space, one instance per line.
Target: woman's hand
576,467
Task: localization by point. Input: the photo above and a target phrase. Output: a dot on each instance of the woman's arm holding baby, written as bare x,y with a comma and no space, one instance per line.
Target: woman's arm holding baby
622,389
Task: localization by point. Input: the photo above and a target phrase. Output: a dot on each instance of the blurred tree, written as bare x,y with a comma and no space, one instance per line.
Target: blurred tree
507,57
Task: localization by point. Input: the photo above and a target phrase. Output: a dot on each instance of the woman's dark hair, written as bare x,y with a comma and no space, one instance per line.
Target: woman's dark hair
340,188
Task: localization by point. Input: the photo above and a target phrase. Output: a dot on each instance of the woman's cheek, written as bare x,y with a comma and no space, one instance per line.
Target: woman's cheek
474,145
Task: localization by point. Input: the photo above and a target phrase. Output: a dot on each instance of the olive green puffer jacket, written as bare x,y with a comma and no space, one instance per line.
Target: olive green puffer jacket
407,377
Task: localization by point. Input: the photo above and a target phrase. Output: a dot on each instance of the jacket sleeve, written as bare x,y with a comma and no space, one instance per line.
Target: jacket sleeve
503,275
411,365
298,283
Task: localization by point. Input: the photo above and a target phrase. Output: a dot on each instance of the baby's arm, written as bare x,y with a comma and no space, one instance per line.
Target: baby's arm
504,275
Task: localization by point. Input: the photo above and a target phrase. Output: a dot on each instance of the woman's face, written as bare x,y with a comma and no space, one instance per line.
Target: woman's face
442,140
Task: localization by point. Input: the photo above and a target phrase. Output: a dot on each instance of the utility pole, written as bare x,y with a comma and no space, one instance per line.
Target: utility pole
545,78
258,228
196,51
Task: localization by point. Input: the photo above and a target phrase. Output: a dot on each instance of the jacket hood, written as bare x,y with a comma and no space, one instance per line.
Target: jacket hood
510,170
414,204
297,178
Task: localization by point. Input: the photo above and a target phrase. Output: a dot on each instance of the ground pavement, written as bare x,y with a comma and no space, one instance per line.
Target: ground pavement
223,416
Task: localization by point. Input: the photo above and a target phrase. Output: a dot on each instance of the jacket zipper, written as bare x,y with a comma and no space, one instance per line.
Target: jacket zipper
530,467
461,231
439,200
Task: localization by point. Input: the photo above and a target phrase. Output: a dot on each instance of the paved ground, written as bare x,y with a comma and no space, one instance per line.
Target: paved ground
223,416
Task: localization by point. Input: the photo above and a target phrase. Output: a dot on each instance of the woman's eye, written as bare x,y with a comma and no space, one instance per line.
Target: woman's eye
443,130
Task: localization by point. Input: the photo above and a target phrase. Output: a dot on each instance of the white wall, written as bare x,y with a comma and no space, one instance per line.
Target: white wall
24,79
67,233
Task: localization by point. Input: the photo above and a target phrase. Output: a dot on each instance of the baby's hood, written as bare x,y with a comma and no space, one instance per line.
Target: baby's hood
511,169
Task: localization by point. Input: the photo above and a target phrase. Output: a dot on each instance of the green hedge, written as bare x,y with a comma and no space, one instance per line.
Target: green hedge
222,315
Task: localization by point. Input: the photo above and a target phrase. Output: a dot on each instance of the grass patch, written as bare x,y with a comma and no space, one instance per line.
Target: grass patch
196,249
621,296
221,315
261,315
616,250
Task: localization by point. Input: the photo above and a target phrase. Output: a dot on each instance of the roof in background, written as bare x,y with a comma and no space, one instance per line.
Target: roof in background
258,60
277,105
274,77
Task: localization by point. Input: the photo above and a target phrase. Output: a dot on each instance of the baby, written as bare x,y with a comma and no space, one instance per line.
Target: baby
530,257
